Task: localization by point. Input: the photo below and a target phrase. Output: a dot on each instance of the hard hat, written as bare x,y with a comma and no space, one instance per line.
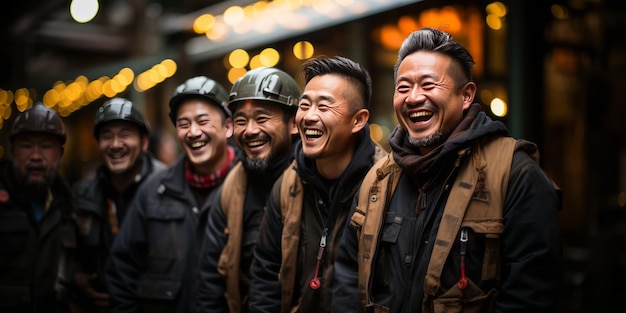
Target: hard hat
119,109
39,119
199,86
265,83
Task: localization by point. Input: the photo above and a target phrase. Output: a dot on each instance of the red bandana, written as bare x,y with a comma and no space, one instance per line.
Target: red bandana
213,179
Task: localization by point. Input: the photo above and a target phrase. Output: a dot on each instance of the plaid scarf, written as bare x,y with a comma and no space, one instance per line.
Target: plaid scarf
210,180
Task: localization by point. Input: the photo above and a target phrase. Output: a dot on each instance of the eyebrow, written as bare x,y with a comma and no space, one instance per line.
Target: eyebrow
256,111
322,97
419,77
193,118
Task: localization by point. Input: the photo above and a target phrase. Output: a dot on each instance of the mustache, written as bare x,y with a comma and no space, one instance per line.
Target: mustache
427,104
35,167
254,138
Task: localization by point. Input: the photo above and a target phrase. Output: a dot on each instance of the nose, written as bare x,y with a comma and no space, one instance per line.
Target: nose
416,95
194,130
36,154
252,128
311,115
116,142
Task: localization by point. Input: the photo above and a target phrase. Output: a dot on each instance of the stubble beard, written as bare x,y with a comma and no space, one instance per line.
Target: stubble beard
433,140
36,187
258,165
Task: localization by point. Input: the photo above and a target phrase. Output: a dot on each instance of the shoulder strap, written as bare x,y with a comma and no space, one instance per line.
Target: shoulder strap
234,188
291,197
232,201
476,200
375,191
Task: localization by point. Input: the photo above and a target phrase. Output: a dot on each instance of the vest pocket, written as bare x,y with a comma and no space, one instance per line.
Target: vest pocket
391,229
491,230
471,299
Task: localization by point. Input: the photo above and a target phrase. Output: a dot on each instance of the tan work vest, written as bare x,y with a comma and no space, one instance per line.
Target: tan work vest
233,197
291,197
476,200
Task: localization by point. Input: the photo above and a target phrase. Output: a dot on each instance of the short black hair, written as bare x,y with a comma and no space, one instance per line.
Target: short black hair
344,67
434,40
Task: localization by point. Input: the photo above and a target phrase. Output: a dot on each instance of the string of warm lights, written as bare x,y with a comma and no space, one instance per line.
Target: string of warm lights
67,97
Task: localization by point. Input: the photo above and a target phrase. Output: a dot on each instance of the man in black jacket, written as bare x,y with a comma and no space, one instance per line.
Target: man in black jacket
440,133
154,260
264,103
37,231
300,231
102,201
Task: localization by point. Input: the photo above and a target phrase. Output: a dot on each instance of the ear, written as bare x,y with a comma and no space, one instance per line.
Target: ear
293,128
359,120
145,142
468,92
228,127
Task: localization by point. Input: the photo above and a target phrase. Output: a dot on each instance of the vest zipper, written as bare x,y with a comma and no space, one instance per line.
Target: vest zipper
463,239
315,282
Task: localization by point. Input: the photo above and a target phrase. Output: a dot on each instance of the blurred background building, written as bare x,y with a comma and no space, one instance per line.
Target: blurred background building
551,70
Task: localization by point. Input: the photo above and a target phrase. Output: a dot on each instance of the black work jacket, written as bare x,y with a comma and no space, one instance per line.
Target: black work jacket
153,262
93,217
530,244
34,256
325,206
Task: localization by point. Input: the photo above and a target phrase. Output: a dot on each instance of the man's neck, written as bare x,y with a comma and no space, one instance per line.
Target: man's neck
334,166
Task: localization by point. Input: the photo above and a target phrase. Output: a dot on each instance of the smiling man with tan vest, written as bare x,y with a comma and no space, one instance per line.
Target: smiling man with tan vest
460,217
263,102
292,270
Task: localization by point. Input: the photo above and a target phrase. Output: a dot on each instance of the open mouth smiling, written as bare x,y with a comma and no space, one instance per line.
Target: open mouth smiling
312,134
420,116
117,155
197,145
256,143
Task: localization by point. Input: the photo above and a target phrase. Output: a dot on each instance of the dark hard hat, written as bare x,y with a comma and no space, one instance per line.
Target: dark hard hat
265,83
119,109
202,87
39,119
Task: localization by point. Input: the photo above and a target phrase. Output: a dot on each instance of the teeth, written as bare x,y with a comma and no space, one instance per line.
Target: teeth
420,114
117,155
312,132
198,144
256,143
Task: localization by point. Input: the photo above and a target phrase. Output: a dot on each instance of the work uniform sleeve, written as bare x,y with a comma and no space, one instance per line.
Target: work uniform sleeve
345,291
531,244
128,259
212,285
265,288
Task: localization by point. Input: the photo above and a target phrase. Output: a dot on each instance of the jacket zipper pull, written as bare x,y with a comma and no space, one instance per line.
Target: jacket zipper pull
315,282
464,236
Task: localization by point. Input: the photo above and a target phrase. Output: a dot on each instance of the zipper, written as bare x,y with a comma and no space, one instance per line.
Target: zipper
463,239
315,282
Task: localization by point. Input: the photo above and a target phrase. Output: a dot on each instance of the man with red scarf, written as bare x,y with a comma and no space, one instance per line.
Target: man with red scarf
154,259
